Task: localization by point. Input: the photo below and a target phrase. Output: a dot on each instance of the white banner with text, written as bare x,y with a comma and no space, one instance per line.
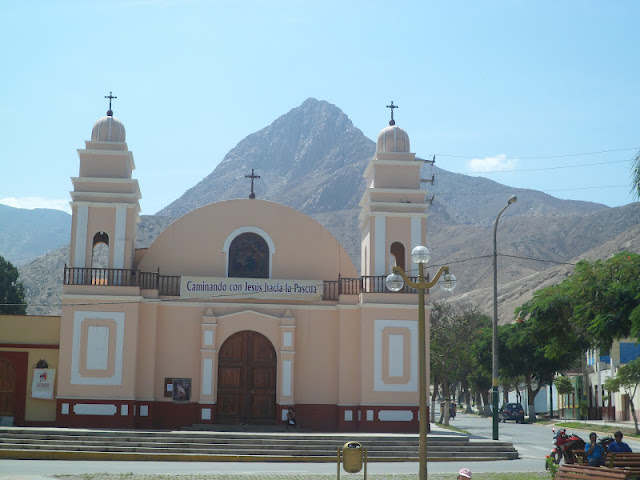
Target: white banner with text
266,288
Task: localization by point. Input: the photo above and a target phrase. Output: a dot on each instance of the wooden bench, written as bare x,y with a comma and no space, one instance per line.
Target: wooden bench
629,461
582,472
581,456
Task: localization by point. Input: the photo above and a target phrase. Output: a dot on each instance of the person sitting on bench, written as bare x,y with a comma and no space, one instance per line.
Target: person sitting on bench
595,452
618,445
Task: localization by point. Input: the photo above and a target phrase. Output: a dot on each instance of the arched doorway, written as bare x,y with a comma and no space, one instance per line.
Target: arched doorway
247,380
7,388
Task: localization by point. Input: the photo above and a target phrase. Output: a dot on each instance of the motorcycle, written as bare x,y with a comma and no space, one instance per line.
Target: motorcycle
563,446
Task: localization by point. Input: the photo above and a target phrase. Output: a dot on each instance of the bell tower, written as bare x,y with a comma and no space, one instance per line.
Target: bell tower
393,216
105,199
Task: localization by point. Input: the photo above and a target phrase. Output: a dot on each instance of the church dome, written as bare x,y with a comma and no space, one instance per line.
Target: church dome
108,129
393,139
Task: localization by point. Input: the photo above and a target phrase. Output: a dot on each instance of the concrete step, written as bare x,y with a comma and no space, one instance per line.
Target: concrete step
224,446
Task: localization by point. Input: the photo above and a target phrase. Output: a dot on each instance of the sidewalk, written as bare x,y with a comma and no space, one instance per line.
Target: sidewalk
608,423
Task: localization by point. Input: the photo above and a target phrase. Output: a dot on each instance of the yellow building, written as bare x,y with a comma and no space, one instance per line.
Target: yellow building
26,343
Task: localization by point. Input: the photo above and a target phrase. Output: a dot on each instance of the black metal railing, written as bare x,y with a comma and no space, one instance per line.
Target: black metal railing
169,285
101,276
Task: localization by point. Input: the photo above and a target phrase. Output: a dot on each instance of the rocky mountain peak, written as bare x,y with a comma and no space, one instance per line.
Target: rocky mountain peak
300,155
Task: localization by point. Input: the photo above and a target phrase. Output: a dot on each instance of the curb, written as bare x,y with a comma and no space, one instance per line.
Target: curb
145,457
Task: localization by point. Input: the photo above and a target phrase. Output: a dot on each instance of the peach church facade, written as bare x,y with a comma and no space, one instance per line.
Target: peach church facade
239,309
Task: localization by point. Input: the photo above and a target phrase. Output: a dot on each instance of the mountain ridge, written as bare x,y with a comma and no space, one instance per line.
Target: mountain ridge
312,158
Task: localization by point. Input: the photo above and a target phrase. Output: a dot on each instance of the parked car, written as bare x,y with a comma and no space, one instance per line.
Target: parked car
511,411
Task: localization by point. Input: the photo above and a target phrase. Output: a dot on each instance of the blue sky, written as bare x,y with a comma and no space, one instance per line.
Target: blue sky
533,94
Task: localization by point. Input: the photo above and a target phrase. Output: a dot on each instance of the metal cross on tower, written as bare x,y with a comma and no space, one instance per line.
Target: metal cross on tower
252,177
111,97
392,106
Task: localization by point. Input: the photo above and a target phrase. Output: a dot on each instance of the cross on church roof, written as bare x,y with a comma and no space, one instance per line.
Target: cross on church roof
252,177
392,106
110,97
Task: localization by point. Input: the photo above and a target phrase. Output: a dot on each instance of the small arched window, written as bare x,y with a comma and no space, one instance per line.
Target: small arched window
397,252
100,251
249,256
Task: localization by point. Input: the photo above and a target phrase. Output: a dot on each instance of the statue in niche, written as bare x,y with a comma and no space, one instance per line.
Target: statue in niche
249,256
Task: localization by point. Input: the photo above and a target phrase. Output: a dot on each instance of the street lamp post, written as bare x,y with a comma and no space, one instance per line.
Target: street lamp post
395,282
494,368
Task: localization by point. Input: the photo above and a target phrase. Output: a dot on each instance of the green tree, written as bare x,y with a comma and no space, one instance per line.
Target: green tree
480,378
606,298
520,355
11,290
627,378
549,316
453,326
563,385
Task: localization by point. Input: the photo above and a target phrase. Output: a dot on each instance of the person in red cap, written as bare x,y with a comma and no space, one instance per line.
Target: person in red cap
464,473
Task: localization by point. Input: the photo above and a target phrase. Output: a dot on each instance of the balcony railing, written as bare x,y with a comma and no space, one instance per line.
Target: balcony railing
169,285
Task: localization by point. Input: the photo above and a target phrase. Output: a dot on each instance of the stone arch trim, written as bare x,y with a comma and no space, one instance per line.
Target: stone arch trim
248,229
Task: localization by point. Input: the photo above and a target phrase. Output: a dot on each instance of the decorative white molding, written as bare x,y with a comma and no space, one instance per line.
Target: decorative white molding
396,355
348,415
395,349
144,410
120,237
287,339
94,409
369,415
78,318
206,414
97,348
208,337
416,232
380,239
207,375
82,222
124,410
64,409
287,370
395,415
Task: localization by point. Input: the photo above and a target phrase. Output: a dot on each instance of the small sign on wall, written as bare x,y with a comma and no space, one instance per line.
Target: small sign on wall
42,384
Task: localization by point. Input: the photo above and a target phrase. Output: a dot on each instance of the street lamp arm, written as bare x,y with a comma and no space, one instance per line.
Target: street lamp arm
421,283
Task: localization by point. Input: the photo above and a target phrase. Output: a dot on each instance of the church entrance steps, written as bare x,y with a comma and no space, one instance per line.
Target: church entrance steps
63,443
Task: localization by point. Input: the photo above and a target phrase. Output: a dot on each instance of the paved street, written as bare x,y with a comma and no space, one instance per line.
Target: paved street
532,441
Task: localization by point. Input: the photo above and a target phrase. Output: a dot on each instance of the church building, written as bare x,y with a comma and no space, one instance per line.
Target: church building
240,309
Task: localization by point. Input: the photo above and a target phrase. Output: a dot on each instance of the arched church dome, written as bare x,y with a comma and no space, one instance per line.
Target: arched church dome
108,129
393,139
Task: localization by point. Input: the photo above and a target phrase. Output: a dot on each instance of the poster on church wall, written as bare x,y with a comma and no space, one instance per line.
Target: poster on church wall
181,390
215,287
43,381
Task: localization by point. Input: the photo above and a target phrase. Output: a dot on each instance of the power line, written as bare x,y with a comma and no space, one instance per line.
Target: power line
543,157
457,192
559,167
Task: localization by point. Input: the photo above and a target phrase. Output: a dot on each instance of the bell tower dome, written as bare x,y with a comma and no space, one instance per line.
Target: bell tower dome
105,200
393,216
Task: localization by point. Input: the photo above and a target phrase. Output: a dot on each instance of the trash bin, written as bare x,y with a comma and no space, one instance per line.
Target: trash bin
352,457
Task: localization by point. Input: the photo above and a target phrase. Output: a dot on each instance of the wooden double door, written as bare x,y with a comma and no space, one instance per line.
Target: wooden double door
7,387
247,366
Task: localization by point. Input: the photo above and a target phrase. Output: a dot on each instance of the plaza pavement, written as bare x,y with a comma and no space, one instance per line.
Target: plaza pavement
46,469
